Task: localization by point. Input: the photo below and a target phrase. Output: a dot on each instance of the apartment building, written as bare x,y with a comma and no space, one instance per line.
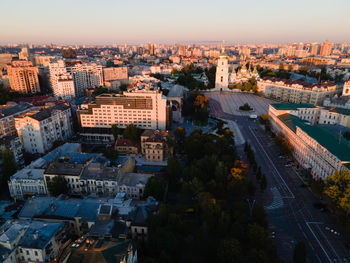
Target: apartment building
315,147
146,108
85,76
297,92
40,128
346,88
153,145
13,143
23,77
7,114
32,241
61,81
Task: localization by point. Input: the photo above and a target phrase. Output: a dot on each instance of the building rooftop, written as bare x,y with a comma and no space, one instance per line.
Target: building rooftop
335,144
341,111
99,171
289,106
10,230
133,179
51,207
39,234
30,174
176,91
62,167
9,111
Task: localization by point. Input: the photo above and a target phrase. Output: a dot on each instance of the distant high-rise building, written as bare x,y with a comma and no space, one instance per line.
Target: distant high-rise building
24,54
150,48
326,49
4,60
182,50
23,77
314,49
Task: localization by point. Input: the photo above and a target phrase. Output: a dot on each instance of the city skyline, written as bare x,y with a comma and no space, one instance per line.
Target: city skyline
109,22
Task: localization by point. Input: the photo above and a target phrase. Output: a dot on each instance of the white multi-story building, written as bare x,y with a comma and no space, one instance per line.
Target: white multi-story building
346,88
316,148
86,75
13,143
61,81
39,129
7,114
27,182
222,74
296,92
146,108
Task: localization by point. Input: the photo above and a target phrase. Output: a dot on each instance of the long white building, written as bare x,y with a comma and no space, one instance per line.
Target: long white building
315,147
146,108
297,92
40,128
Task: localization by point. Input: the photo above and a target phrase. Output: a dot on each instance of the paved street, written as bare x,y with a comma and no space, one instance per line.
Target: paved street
289,205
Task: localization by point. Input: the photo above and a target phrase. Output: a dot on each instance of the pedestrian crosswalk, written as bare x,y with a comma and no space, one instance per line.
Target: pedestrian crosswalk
277,201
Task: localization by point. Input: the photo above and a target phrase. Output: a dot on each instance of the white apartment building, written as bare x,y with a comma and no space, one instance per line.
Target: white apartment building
27,182
86,75
346,88
13,143
39,129
61,81
296,92
316,148
7,114
146,108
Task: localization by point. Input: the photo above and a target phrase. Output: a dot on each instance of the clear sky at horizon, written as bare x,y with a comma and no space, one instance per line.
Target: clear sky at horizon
163,21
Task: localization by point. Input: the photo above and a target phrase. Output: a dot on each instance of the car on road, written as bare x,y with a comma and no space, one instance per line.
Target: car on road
287,165
281,156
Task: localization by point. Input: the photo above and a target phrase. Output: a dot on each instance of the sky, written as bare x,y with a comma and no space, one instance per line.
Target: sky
181,21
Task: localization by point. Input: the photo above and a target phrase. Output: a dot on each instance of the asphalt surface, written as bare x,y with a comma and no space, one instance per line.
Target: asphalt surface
288,203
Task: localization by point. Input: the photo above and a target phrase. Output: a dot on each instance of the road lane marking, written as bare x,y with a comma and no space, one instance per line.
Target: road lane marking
318,241
328,242
273,165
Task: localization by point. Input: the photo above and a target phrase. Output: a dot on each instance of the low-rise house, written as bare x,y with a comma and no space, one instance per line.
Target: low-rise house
132,184
27,182
154,146
126,146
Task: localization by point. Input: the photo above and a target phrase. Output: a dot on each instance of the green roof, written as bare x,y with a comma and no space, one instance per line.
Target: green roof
291,121
335,144
341,111
290,106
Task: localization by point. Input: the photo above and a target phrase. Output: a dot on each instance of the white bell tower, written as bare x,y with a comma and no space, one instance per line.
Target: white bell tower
221,79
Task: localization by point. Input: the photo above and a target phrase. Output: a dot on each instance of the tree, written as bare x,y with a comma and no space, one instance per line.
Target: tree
131,132
245,107
173,171
69,53
263,183
8,164
337,187
57,185
347,135
116,131
155,187
299,255
229,251
111,153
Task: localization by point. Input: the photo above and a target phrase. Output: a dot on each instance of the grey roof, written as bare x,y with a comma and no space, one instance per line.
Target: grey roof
51,207
8,111
39,234
61,167
46,113
133,179
27,173
4,253
99,171
10,231
176,91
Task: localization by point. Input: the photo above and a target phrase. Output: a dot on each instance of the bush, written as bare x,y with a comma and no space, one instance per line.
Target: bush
245,107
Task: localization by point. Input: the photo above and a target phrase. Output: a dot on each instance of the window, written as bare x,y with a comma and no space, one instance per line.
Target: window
222,79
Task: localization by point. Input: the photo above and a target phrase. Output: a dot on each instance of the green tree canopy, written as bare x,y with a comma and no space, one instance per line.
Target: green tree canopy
131,132
299,255
57,185
155,187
